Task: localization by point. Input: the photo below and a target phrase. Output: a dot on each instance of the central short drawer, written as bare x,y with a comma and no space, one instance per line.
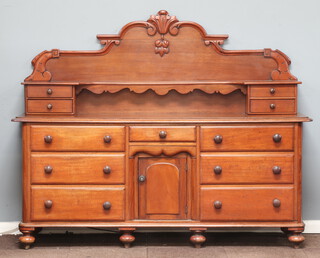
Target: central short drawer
248,167
77,138
77,168
246,138
72,203
237,203
165,133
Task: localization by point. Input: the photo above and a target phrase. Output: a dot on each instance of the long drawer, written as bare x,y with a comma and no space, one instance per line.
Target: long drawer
246,138
77,168
77,138
77,203
249,167
236,203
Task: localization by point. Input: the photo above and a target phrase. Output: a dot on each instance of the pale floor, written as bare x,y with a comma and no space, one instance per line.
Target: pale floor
166,245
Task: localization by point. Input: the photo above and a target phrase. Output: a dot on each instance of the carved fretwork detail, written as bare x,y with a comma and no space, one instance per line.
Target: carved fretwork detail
163,23
39,62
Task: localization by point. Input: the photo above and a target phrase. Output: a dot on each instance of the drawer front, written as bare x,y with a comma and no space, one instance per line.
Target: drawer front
246,203
49,106
273,91
77,168
49,91
77,203
246,138
77,138
246,168
168,133
273,106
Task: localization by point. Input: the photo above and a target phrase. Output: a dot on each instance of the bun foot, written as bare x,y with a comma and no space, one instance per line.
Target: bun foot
27,239
197,239
127,238
295,236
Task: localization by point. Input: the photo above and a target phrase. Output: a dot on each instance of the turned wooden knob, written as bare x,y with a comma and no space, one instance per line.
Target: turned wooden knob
217,170
48,138
48,204
272,106
276,203
48,169
272,90
277,137
276,170
218,139
49,91
107,139
107,205
217,204
162,134
107,170
142,178
49,106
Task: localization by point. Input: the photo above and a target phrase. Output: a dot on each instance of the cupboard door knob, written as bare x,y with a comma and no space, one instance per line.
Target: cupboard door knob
218,139
48,169
49,91
107,170
217,204
272,106
217,170
276,170
277,137
276,203
49,106
162,134
107,205
107,139
272,90
142,178
48,204
48,139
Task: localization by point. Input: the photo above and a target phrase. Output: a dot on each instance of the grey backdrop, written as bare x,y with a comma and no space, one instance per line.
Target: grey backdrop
29,27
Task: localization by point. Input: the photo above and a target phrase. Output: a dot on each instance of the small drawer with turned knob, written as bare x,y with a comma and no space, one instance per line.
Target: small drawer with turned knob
52,91
272,106
49,106
72,203
246,203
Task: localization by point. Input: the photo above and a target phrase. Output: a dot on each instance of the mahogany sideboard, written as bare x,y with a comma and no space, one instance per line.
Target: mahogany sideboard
161,128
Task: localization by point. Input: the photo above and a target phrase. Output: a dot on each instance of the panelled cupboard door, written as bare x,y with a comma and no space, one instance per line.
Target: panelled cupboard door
162,187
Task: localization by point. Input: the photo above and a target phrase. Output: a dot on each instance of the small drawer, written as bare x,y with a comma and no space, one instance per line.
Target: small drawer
77,203
77,168
167,133
273,91
249,167
246,138
77,138
43,91
49,106
273,106
255,203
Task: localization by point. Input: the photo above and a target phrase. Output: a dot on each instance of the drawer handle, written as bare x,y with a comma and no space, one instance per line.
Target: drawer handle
272,90
276,203
49,106
49,91
276,170
218,139
217,170
48,139
217,204
48,204
273,106
277,137
142,178
107,170
107,205
162,134
107,139
48,169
